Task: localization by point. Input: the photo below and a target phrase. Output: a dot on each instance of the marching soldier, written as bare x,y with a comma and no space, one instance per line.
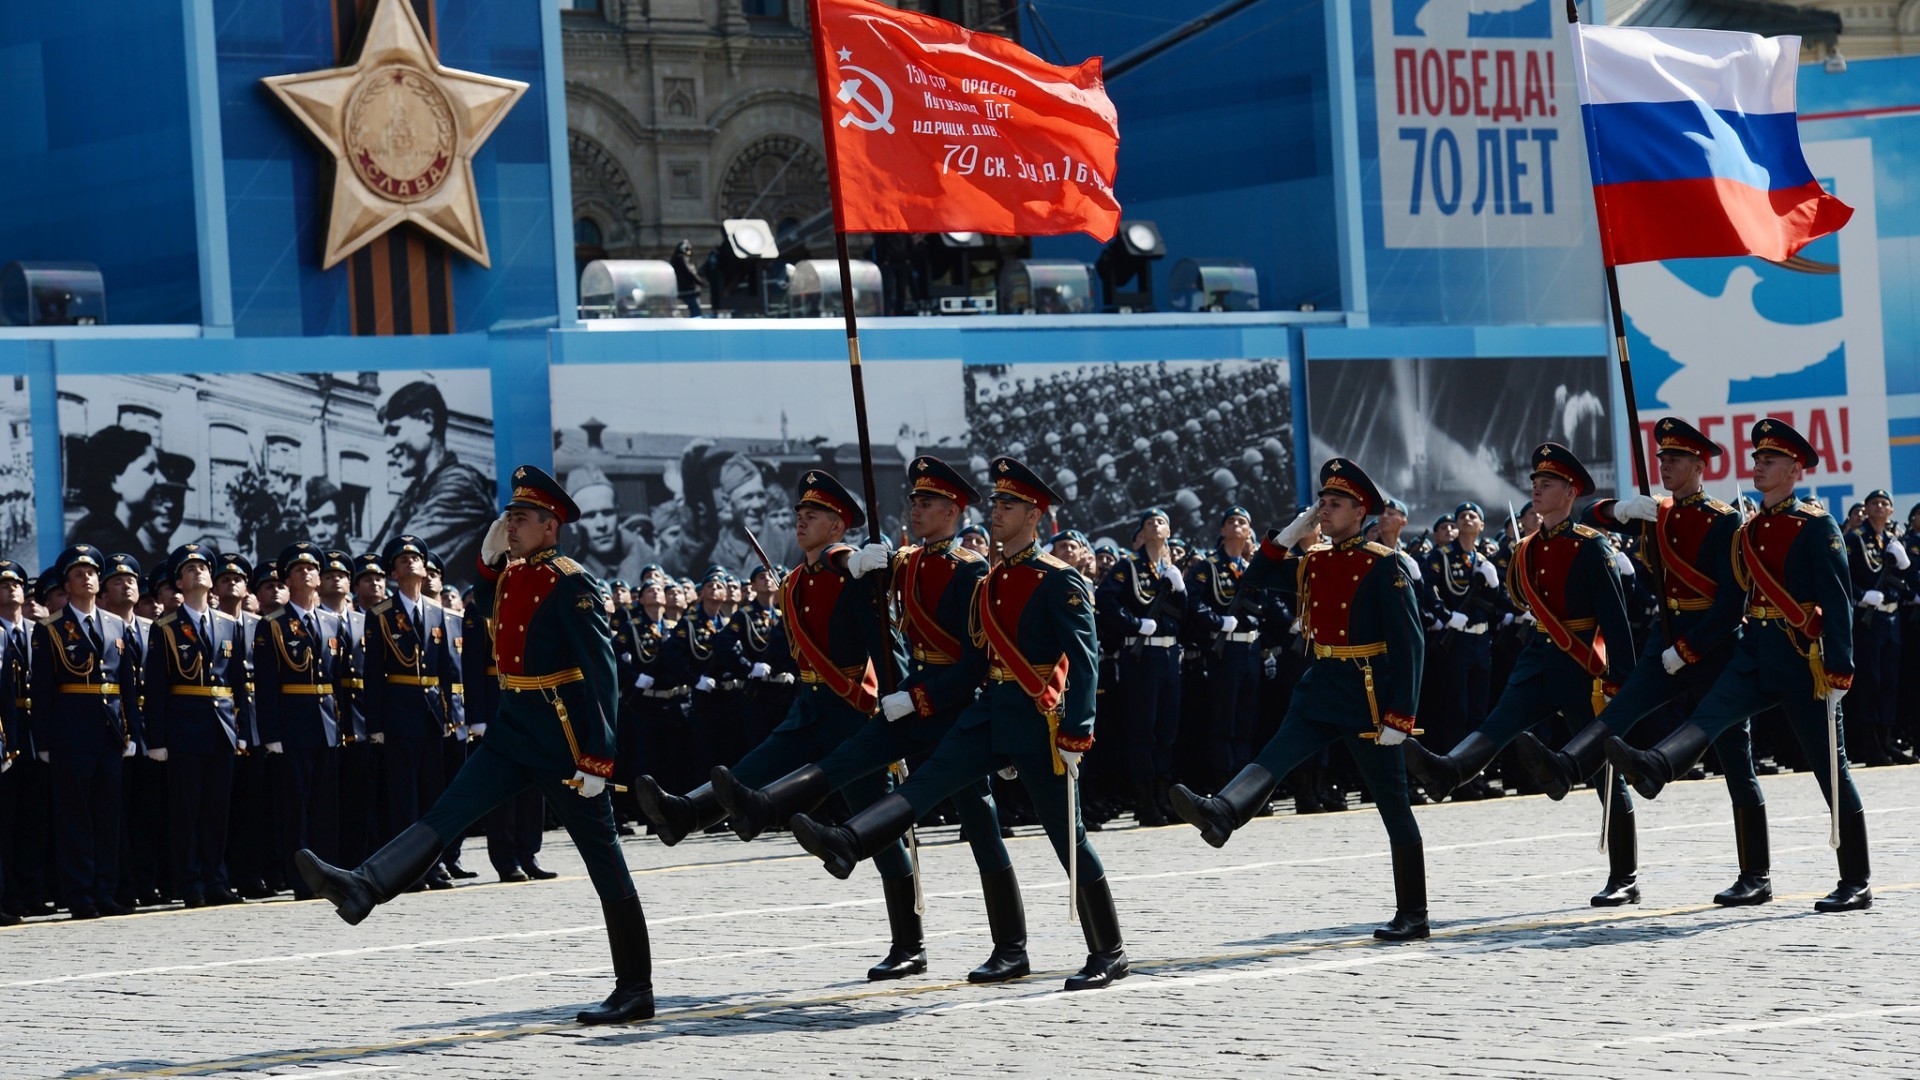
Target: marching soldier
1878,564
1031,636
409,669
933,586
553,730
85,722
1564,580
1361,618
195,672
1797,652
1143,602
1231,619
1694,535
835,630
297,666
515,828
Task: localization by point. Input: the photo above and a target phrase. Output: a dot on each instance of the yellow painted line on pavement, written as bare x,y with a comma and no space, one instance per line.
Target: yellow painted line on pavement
788,1004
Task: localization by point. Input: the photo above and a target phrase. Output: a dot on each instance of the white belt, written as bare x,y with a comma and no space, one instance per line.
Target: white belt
1477,628
1157,642
673,693
1242,636
1884,608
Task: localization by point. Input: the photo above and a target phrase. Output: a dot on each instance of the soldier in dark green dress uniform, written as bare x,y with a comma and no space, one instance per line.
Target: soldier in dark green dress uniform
1360,616
1797,652
933,584
1030,635
553,729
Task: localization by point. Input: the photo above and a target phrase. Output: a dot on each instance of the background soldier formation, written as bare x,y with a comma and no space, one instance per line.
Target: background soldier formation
173,733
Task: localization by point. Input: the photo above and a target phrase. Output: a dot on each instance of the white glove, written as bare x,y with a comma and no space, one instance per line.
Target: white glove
1390,736
759,670
1456,621
868,559
45,756
590,785
1272,667
1071,759
1477,628
5,764
478,731
276,748
493,546
1637,508
643,681
1228,622
897,704
1623,563
379,737
158,753
129,751
1010,773
785,678
240,745
1835,693
1147,627
1671,661
1174,578
704,684
1898,553
1872,598
1527,617
1299,527
1488,573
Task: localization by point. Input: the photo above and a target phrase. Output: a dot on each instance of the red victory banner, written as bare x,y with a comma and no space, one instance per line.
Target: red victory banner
933,128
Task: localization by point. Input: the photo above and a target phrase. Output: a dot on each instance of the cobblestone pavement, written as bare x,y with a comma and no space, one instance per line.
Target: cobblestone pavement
1253,960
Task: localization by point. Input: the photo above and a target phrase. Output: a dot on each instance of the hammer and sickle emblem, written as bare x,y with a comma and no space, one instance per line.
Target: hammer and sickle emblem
879,117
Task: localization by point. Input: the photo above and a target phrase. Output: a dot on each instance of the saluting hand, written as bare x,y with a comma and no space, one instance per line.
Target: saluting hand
1298,528
493,547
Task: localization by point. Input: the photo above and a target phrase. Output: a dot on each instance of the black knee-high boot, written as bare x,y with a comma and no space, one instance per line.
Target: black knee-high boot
1409,895
908,954
843,847
1852,893
755,810
1755,884
1440,774
1555,772
674,817
1652,770
1106,953
1623,860
1007,919
381,878
632,997
1217,817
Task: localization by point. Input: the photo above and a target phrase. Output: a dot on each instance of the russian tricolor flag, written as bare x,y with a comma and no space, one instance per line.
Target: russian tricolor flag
1694,144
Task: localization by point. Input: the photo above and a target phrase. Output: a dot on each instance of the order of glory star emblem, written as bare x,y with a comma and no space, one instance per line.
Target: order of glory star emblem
402,129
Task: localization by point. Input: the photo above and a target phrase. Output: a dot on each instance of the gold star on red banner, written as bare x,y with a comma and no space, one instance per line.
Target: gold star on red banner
402,130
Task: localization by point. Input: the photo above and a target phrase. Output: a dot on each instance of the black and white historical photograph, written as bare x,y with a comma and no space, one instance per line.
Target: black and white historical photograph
1435,433
677,464
252,462
1192,437
17,532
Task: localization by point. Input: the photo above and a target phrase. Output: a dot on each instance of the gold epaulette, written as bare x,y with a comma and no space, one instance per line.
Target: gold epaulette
1586,532
1380,550
566,565
382,607
1812,510
1717,506
963,553
1046,559
168,619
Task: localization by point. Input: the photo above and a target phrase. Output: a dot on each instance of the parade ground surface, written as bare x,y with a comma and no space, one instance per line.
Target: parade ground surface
1253,960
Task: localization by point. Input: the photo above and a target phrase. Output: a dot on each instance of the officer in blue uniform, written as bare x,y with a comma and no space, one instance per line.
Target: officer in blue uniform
85,722
1878,564
410,671
1693,536
16,749
933,585
1463,603
1143,602
847,654
250,829
195,680
1031,637
552,730
297,667
1230,619
340,575
1564,581
1361,619
1796,653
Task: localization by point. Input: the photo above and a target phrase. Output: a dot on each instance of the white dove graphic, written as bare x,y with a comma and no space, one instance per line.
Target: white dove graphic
1447,19
1718,339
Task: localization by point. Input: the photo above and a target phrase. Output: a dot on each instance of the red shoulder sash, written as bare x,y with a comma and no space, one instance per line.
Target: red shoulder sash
1592,658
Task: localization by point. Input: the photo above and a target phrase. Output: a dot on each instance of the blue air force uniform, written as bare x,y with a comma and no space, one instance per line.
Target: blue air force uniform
297,667
410,672
1144,604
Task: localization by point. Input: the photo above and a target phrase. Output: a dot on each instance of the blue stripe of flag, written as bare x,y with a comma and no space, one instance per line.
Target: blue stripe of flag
1683,140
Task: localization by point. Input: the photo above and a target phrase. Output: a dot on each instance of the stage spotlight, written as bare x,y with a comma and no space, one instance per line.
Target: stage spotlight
1126,261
